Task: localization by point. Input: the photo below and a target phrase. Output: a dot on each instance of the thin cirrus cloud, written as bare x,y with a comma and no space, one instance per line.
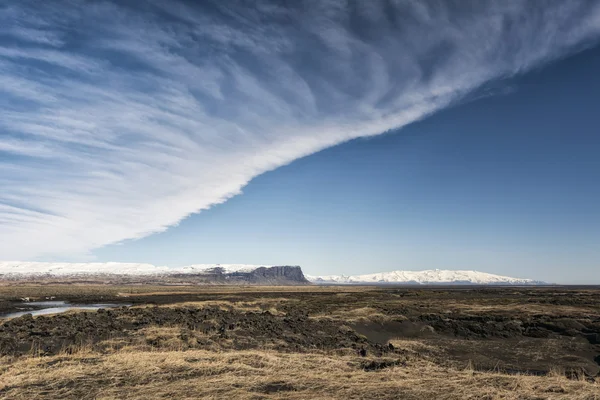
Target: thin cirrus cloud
119,119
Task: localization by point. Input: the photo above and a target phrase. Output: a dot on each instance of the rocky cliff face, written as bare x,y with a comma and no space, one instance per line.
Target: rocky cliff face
275,275
280,273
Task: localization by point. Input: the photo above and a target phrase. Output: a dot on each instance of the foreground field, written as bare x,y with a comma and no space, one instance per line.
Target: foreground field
265,375
304,343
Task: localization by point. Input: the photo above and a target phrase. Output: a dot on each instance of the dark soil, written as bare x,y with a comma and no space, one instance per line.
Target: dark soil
275,387
376,365
517,330
242,330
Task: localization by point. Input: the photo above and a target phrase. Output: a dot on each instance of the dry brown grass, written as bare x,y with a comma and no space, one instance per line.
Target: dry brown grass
267,304
172,361
523,309
355,315
203,374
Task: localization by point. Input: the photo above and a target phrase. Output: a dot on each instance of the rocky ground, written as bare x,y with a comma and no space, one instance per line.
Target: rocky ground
534,331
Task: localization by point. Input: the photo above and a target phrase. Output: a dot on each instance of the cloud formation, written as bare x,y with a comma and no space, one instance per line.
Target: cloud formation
118,119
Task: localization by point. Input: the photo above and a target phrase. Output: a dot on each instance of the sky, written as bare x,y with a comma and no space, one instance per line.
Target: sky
343,136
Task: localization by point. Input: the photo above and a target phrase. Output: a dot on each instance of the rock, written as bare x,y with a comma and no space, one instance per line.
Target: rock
427,329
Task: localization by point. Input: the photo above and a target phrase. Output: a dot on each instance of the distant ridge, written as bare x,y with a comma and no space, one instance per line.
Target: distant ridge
427,277
132,273
211,274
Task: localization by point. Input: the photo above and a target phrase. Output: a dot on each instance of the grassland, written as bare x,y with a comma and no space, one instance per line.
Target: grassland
264,374
304,343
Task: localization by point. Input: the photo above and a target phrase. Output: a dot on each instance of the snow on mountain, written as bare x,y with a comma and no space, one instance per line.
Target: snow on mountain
435,276
16,268
223,268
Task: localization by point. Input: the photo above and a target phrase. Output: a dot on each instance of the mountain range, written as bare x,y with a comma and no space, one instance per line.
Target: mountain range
427,277
134,273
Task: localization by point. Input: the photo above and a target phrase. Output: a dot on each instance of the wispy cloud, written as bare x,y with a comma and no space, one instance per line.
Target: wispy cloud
119,119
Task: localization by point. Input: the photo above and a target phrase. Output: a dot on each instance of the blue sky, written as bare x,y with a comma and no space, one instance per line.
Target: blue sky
365,137
504,184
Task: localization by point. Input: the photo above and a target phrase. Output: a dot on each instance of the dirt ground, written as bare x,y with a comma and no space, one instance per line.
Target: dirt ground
534,337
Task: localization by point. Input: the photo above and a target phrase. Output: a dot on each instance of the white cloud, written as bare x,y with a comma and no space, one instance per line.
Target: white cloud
118,122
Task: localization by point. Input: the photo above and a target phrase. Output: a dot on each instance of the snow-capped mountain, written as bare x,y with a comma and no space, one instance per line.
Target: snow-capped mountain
148,273
428,277
12,268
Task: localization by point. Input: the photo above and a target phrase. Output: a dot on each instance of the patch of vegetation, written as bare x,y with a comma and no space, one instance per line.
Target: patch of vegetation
341,342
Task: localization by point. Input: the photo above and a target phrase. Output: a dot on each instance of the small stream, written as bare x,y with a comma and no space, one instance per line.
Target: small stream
56,307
